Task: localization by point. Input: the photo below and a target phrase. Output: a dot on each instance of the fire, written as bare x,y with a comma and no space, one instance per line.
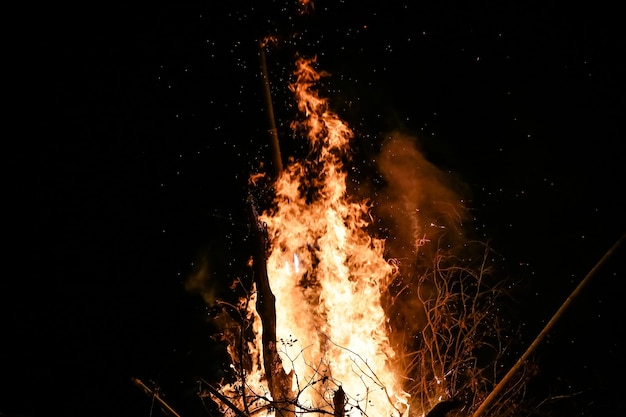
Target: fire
327,273
333,327
330,326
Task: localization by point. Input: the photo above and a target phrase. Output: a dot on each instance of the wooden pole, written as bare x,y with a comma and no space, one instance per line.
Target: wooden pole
502,384
278,162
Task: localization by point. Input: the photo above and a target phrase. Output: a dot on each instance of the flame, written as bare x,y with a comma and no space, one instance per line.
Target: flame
328,273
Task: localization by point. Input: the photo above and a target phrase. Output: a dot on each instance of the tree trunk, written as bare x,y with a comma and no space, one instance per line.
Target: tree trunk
279,382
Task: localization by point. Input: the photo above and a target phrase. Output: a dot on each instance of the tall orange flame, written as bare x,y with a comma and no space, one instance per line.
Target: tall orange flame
328,274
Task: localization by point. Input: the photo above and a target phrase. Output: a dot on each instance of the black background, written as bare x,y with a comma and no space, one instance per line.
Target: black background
138,128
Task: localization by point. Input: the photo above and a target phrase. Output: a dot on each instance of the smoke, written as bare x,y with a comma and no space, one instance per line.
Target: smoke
420,202
422,211
198,281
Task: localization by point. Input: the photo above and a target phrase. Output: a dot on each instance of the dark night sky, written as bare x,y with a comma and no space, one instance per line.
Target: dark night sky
140,127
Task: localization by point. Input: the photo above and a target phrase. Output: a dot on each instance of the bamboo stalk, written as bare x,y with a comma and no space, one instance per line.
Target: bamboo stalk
502,384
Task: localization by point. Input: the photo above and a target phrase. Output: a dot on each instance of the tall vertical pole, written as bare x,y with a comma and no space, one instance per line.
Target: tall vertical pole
278,163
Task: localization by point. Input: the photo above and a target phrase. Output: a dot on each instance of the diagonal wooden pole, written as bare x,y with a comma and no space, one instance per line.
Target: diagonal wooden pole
502,384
